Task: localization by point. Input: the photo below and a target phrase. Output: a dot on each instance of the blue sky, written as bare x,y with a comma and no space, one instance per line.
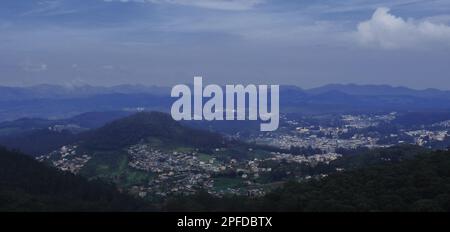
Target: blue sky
166,42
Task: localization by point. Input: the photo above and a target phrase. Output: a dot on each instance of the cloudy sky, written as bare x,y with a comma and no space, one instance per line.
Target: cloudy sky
165,42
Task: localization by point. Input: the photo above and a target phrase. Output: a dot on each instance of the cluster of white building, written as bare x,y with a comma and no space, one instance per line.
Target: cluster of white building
67,159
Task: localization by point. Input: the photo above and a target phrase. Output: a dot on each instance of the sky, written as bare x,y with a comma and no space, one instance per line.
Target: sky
167,42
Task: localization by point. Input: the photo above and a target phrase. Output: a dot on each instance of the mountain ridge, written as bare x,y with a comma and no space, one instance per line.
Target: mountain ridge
51,90
370,89
293,99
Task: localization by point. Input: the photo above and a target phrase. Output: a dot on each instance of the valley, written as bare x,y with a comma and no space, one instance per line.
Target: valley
151,157
160,163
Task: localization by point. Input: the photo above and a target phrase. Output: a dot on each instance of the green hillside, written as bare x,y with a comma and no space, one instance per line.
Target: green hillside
27,185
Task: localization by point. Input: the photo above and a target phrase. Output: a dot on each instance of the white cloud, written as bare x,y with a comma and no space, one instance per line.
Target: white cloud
33,67
49,8
390,32
108,67
211,4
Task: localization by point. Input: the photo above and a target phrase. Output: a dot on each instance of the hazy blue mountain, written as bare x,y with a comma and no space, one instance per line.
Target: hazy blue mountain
422,118
48,101
56,108
380,90
84,121
36,136
46,91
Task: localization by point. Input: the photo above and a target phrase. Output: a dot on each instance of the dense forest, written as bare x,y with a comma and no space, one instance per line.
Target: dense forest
27,185
418,181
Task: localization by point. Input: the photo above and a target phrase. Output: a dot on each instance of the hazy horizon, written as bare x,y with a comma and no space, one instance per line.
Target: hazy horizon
163,43
190,84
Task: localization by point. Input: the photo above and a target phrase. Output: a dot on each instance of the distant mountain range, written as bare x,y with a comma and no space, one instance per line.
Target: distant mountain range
380,90
46,91
50,101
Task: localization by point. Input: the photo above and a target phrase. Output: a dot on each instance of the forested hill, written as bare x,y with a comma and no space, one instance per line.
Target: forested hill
147,126
27,185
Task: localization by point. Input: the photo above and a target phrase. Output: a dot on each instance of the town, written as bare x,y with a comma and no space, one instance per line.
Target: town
187,170
355,131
